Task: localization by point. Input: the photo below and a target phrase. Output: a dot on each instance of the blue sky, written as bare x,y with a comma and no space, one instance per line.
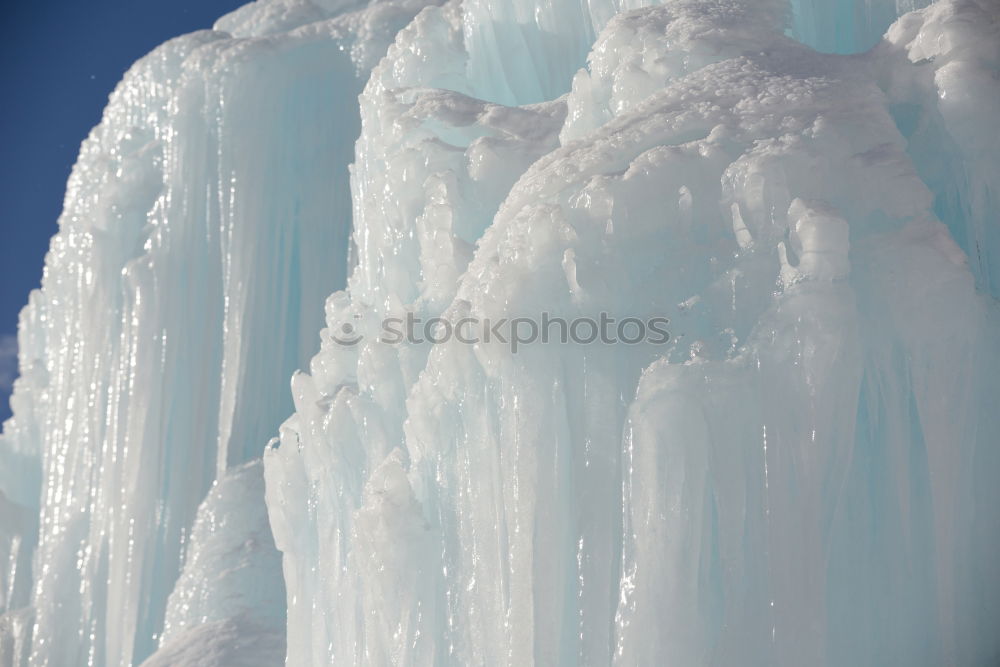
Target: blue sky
60,60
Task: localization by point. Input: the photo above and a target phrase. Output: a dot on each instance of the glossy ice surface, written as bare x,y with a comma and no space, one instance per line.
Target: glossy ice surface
805,475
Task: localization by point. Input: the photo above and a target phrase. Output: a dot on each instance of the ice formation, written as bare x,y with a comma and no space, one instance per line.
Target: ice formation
219,170
227,608
805,475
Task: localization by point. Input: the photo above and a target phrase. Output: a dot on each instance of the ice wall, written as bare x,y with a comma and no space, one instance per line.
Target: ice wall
941,104
846,27
805,475
205,222
800,478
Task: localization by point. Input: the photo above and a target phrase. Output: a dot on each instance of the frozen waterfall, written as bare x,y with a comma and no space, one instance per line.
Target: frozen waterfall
807,473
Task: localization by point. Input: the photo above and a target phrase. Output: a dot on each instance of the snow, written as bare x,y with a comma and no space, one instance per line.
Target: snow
803,474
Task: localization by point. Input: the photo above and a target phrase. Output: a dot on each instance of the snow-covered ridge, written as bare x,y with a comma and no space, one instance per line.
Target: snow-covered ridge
804,476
